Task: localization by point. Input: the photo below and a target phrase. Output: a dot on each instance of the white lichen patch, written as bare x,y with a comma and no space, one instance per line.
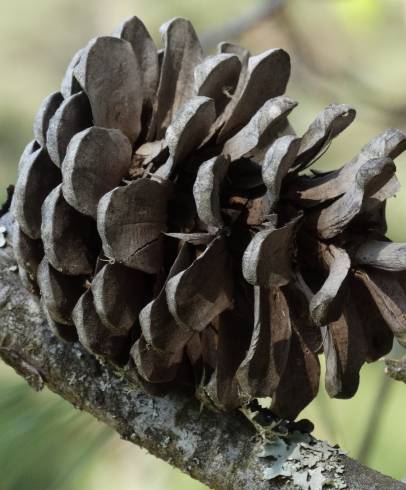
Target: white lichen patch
4,295
3,236
308,463
158,413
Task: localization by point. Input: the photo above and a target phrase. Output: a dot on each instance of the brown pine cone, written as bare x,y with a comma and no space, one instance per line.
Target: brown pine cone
164,212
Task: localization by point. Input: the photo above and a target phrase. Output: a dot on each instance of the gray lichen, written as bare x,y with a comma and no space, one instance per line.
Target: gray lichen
396,369
310,464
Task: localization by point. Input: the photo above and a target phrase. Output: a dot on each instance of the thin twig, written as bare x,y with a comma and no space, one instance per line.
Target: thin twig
396,369
237,26
375,419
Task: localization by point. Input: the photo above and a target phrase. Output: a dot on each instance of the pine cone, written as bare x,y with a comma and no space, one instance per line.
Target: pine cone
164,213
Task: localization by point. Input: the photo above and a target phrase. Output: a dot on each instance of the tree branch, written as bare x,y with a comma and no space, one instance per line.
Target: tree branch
217,449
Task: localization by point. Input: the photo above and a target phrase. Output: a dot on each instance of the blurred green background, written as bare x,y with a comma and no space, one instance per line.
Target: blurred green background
349,51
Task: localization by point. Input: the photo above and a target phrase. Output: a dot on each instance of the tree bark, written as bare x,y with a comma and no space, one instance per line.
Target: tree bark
216,449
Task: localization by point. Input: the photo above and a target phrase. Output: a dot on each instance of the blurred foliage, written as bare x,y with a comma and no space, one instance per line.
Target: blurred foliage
342,51
366,12
44,445
47,445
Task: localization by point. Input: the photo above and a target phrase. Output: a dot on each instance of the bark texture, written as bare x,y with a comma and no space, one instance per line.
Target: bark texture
219,450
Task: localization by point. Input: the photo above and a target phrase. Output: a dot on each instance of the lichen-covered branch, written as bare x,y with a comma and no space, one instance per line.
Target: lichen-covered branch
219,450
